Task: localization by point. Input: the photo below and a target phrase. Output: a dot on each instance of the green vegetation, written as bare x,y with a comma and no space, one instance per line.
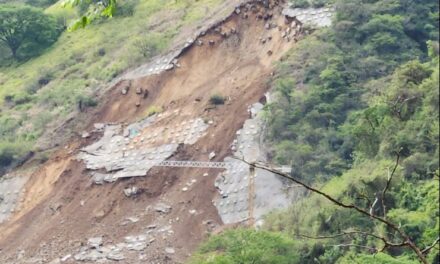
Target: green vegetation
217,99
152,110
331,73
247,246
45,89
349,99
309,3
26,30
91,10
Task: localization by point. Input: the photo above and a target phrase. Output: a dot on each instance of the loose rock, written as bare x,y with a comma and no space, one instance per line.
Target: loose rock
162,208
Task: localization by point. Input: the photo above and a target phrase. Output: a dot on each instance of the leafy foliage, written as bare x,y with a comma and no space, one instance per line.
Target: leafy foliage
348,99
92,10
38,92
217,99
329,75
26,31
247,246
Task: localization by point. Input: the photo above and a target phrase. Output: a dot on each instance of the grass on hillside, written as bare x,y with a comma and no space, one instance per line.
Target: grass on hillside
46,88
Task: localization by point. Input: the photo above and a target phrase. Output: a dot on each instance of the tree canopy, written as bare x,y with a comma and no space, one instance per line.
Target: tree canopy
26,30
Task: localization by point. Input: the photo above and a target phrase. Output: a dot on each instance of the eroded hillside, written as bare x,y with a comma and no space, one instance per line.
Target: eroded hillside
106,194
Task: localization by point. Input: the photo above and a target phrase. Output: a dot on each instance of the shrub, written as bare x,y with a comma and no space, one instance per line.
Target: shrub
152,110
247,246
11,151
217,99
147,48
318,3
45,78
300,3
101,52
126,8
85,101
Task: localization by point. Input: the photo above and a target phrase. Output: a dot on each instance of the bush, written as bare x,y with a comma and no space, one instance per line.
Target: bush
247,246
83,102
147,48
152,110
126,8
217,99
300,3
10,152
319,3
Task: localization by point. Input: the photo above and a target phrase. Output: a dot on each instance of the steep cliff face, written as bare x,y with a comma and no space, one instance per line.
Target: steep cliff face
105,195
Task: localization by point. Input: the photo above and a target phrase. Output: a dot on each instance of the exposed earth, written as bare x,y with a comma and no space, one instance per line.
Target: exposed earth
63,216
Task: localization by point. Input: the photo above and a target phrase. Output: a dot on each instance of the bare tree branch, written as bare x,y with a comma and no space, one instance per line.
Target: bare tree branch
387,186
407,240
355,245
387,244
428,249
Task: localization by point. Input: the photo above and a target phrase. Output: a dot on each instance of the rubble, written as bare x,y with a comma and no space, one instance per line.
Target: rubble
162,208
129,192
170,250
94,242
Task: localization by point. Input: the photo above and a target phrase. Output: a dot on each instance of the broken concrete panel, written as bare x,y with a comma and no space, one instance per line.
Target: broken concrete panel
136,153
11,188
314,17
237,201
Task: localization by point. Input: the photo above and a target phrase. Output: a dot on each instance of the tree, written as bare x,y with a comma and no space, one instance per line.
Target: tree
92,9
26,29
401,240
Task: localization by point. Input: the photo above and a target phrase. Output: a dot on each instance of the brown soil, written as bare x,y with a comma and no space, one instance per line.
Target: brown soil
62,208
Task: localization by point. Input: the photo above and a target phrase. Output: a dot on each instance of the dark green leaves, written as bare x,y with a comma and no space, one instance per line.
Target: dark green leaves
26,30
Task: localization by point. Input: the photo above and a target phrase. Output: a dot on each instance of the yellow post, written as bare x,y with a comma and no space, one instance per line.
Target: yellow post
251,194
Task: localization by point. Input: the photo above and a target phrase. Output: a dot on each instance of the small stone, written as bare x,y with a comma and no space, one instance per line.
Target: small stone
85,134
184,189
66,257
212,155
124,91
99,126
94,242
133,219
115,256
193,212
205,174
162,208
170,250
131,191
139,90
55,261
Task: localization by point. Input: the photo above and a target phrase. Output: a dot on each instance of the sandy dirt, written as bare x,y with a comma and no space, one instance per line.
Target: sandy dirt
61,208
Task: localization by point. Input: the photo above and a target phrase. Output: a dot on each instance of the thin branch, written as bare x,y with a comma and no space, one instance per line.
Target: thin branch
428,249
391,225
355,245
387,186
387,244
